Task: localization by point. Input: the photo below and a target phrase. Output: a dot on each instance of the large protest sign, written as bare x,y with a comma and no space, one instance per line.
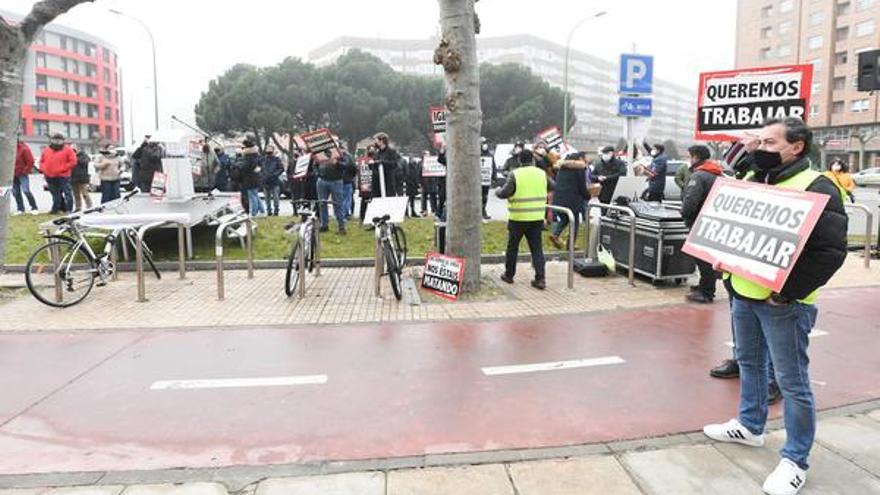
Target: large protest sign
318,141
754,230
486,170
552,137
443,275
431,167
438,125
731,103
365,177
301,168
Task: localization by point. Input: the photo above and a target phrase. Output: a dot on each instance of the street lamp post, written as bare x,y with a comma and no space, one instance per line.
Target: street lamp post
565,70
155,78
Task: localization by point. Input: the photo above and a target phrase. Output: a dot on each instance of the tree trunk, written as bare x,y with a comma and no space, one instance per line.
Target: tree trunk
14,43
458,55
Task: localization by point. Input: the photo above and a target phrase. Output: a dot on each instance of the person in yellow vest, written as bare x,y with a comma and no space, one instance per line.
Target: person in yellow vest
526,193
781,322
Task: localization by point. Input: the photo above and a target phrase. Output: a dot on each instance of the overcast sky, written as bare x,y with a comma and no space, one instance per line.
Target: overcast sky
197,40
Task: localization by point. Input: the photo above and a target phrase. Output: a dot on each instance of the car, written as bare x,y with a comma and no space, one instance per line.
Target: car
672,192
867,177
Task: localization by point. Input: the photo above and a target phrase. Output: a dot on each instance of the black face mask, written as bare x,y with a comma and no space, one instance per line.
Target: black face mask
766,160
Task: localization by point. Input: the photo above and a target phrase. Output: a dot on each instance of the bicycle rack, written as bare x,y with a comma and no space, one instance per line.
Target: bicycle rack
380,262
571,239
632,233
869,227
139,254
218,249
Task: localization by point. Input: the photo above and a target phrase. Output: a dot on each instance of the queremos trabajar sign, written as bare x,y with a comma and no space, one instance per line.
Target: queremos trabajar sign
731,103
754,230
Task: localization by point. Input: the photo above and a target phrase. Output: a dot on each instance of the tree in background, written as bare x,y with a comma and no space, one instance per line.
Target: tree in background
457,53
14,43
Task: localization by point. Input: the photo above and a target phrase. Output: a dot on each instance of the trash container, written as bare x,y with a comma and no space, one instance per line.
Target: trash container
440,237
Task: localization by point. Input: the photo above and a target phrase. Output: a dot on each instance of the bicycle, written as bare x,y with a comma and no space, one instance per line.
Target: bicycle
393,242
306,240
67,265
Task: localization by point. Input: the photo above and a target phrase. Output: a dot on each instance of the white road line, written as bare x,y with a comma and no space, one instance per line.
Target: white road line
813,335
817,382
552,366
272,381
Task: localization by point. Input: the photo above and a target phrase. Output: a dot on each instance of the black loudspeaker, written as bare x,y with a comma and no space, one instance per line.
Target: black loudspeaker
869,70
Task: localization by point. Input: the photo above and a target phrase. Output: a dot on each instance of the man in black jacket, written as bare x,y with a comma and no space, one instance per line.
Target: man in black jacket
149,157
780,323
389,159
607,169
703,175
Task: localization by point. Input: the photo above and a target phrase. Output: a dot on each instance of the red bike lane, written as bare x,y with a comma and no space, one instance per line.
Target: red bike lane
96,401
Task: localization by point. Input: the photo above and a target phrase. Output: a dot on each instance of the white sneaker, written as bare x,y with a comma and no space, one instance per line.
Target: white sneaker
35,212
733,432
786,479
15,213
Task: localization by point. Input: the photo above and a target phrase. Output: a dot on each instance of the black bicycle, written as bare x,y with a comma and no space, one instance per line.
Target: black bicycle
393,242
306,241
62,272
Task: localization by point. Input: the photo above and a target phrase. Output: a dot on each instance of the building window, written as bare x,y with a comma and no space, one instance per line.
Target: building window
108,132
816,18
783,50
840,58
839,83
77,109
843,8
72,66
785,6
91,90
817,64
766,32
814,42
42,83
63,42
92,111
75,87
65,105
817,86
863,4
74,45
766,11
859,106
106,55
106,75
93,131
764,54
42,105
107,94
814,110
89,50
41,59
841,33
108,113
864,28
91,70
41,127
837,107
117,114
784,28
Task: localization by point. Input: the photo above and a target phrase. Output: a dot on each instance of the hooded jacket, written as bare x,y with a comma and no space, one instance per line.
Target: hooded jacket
571,184
57,163
80,174
24,160
109,167
697,189
250,167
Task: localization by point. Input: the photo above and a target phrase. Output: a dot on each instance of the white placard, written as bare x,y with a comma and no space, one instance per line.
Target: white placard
394,206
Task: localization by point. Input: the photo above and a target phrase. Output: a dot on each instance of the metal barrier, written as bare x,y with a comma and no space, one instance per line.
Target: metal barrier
869,228
218,248
379,262
632,233
139,255
571,239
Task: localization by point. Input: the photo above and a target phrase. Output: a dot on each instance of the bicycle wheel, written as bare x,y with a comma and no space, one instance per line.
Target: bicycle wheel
399,238
291,279
310,254
59,275
393,268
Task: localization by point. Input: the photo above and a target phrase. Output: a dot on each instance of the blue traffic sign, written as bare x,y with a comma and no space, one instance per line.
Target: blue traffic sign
636,74
634,107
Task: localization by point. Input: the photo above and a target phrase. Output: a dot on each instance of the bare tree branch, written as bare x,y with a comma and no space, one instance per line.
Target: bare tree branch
43,13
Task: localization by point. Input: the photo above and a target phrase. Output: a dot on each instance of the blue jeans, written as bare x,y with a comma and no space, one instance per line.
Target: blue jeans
785,332
562,221
109,190
347,198
23,185
273,197
327,188
254,202
62,194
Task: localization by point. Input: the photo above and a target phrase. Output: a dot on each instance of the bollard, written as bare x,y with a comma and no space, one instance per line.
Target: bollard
181,250
55,255
377,275
571,239
249,242
301,258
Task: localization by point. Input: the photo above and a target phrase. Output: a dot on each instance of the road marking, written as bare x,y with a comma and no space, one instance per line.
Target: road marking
817,382
551,366
815,333
272,381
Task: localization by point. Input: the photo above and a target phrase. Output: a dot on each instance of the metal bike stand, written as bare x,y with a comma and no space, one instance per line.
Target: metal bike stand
571,239
114,255
181,250
869,229
632,233
317,254
301,267
377,275
139,256
55,255
218,250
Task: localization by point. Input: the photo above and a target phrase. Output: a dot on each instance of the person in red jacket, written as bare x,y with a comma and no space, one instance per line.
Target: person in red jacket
56,163
24,165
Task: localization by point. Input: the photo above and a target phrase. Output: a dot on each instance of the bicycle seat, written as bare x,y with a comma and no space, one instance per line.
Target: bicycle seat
64,220
382,219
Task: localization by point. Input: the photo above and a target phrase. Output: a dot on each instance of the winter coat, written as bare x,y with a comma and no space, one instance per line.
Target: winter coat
251,168
80,173
825,250
657,181
272,170
389,159
149,158
697,189
108,167
612,170
24,160
349,168
571,184
682,176
842,179
413,177
329,169
57,163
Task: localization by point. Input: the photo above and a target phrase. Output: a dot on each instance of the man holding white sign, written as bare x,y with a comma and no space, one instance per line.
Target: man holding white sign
778,245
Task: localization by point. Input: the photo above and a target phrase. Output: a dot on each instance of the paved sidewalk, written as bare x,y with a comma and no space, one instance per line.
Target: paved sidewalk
845,461
344,296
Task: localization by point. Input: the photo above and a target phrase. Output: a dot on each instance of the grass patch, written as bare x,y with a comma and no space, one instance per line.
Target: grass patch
271,241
